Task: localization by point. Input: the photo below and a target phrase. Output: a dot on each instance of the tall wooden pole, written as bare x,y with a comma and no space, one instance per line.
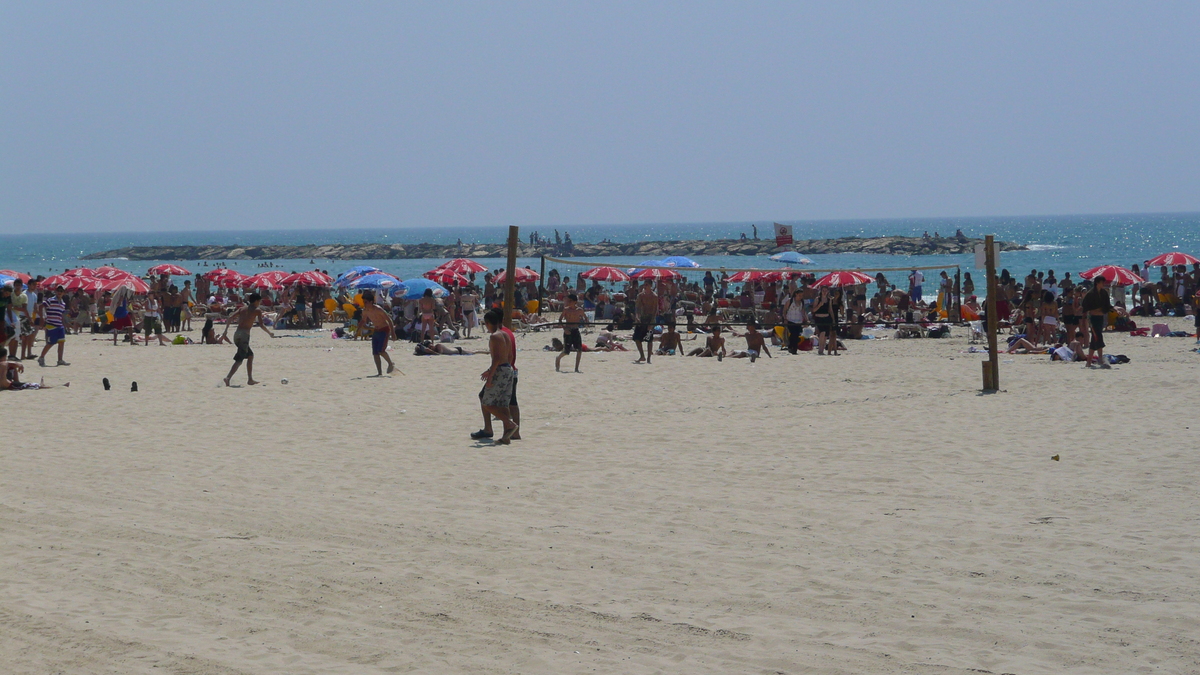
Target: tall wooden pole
991,369
510,277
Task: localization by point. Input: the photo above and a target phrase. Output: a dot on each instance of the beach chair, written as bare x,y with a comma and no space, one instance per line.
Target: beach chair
976,332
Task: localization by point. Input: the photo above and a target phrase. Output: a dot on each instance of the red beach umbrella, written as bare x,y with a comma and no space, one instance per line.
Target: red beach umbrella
523,274
1168,260
107,272
225,277
605,274
655,274
446,277
80,272
18,275
173,270
463,266
267,281
844,278
131,282
48,282
312,278
1117,275
73,283
747,275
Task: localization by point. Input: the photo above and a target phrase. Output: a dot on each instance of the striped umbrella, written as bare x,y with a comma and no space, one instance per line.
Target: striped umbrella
165,268
655,274
844,278
1164,260
446,277
605,274
463,266
522,274
1115,274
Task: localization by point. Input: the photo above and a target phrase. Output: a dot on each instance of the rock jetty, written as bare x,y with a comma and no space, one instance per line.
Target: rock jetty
646,249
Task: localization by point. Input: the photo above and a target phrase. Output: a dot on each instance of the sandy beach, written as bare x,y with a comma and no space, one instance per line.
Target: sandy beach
870,513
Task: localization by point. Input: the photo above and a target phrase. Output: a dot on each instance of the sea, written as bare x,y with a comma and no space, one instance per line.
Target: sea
1069,243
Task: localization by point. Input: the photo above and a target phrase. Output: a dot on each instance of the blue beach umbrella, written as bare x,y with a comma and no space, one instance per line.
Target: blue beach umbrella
791,258
649,263
6,280
378,281
416,288
353,273
679,261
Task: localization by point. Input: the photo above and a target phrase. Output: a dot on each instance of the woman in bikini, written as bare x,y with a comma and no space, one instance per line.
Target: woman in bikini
428,308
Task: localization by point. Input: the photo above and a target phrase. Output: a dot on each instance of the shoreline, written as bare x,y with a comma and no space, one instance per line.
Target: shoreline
895,245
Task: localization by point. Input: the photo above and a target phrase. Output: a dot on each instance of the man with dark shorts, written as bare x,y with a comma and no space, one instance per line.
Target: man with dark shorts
1096,306
246,318
647,310
383,330
499,379
572,318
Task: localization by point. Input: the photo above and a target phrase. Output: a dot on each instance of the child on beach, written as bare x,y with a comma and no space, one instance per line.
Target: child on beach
382,330
571,319
246,318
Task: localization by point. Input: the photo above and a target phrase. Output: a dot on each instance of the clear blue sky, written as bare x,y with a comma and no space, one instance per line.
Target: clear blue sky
118,116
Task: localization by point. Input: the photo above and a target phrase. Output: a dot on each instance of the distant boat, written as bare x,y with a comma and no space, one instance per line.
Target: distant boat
791,258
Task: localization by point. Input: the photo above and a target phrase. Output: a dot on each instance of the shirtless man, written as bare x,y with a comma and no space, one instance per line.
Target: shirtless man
246,317
467,302
755,344
383,330
571,319
671,342
647,307
713,346
499,378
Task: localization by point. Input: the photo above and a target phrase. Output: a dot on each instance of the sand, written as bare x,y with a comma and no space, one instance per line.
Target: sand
866,513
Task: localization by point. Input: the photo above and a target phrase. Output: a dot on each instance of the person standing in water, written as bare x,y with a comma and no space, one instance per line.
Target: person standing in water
246,318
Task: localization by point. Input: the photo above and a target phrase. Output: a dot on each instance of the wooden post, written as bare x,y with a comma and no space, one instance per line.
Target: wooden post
542,287
510,276
991,378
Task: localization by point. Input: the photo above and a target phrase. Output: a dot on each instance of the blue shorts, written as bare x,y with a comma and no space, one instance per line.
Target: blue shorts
55,335
379,340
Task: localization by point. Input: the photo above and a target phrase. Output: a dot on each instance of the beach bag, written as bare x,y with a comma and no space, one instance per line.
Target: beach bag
1160,330
805,344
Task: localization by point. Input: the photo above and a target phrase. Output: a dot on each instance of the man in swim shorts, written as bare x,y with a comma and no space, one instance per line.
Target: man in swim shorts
383,330
246,318
647,309
500,378
572,318
54,310
1096,306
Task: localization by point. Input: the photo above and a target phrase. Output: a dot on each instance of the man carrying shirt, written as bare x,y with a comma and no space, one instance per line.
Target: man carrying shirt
54,309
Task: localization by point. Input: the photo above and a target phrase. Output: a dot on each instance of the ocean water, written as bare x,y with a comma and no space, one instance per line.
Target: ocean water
1060,243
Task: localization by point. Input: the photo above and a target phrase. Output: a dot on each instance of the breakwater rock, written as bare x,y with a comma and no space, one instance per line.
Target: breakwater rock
647,249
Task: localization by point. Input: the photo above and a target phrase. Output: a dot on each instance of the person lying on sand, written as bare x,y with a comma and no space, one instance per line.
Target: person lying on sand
713,346
431,348
607,340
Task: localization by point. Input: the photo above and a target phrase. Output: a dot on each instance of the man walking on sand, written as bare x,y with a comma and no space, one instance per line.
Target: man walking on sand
383,329
500,378
1097,305
246,317
647,310
572,319
53,310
